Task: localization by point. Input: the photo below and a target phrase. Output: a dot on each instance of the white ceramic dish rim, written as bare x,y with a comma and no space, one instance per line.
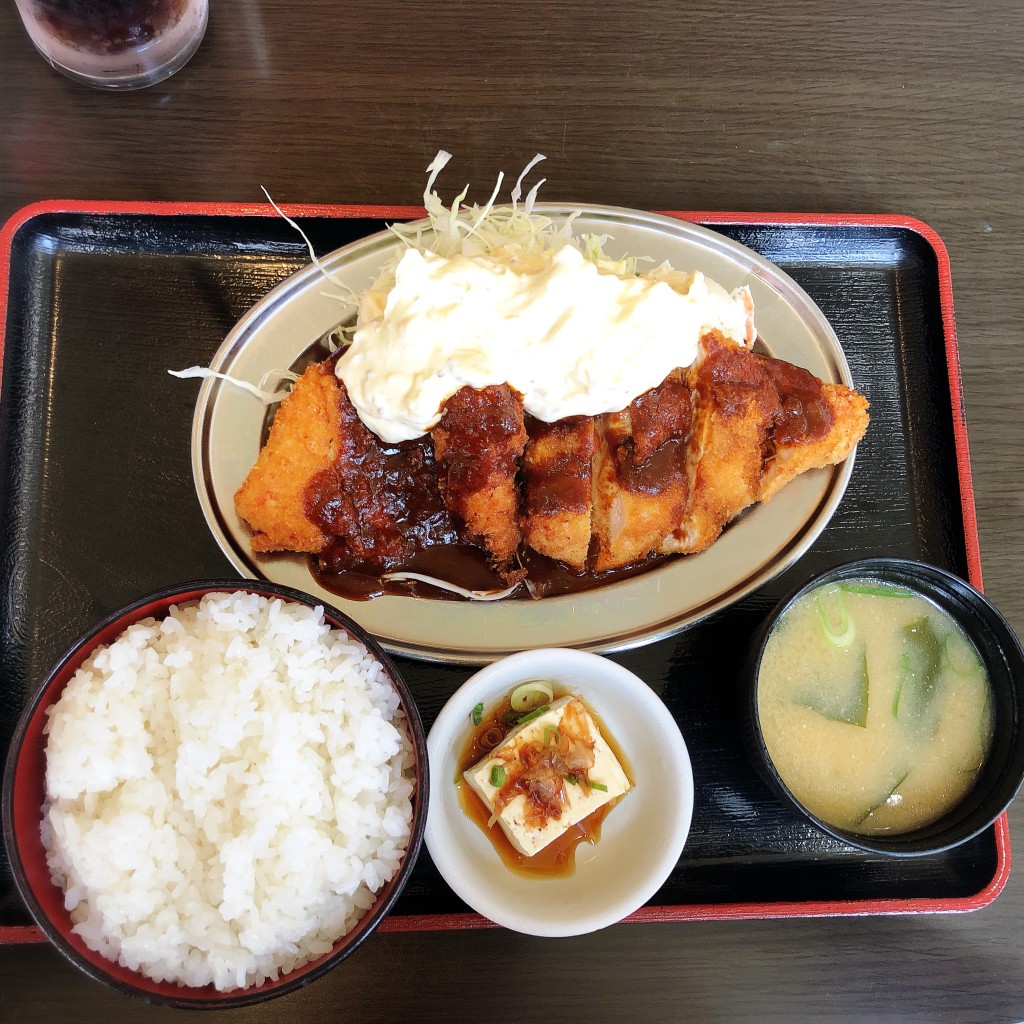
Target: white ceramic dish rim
650,739
635,611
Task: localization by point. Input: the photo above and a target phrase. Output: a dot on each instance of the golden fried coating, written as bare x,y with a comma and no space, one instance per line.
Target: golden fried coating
665,475
640,477
557,490
477,445
304,441
758,423
850,421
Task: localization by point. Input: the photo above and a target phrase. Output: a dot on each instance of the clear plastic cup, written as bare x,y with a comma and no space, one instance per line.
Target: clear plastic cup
116,44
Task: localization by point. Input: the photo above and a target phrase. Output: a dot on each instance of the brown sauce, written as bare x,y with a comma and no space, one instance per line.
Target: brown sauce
466,566
461,564
558,858
549,578
383,512
803,414
556,470
664,469
389,514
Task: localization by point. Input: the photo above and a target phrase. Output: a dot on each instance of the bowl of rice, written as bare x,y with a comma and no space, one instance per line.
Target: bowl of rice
216,795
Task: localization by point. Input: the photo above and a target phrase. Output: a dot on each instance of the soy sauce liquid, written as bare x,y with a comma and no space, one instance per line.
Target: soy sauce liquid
558,858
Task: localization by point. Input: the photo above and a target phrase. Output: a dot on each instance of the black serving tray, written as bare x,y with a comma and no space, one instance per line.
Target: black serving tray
97,503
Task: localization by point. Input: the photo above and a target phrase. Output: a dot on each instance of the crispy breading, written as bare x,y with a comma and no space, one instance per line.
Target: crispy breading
850,421
665,475
557,491
750,436
640,478
477,445
304,441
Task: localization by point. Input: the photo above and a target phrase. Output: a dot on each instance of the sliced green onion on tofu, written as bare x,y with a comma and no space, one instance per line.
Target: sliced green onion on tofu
531,695
535,713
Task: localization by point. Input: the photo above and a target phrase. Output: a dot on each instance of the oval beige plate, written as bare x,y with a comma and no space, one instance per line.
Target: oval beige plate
768,539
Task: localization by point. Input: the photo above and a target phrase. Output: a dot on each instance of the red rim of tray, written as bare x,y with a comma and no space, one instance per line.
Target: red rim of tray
686,912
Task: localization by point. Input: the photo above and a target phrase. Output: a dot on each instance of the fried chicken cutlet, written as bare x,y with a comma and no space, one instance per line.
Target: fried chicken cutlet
640,474
477,445
324,484
664,475
557,469
324,481
758,423
304,441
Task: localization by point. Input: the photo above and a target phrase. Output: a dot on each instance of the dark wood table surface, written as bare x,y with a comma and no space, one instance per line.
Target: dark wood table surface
910,108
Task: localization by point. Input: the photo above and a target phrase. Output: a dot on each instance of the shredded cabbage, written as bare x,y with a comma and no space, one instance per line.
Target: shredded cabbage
510,234
454,588
263,391
514,234
309,245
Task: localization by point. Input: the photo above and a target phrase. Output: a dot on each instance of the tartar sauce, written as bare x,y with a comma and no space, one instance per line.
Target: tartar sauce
573,338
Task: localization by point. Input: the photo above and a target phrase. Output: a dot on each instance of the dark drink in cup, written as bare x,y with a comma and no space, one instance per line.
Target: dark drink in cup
109,26
116,43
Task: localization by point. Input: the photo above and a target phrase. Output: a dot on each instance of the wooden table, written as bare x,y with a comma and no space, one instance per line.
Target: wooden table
911,108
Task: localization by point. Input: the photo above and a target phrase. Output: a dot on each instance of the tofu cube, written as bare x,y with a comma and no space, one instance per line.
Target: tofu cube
528,839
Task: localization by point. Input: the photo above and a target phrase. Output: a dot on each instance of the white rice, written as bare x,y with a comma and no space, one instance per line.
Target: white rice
226,790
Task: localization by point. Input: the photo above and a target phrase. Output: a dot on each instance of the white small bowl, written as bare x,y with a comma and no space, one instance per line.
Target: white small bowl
641,839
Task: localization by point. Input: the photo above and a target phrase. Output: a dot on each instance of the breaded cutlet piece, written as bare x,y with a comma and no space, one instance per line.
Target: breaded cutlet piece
756,427
665,475
640,478
304,440
557,489
734,408
477,445
850,421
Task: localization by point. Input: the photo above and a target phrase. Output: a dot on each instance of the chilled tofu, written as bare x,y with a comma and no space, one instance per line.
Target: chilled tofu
529,838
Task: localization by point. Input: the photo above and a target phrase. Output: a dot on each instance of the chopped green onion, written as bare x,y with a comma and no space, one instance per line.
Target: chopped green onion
918,680
836,624
478,714
528,696
497,776
599,785
550,734
535,713
875,589
510,718
572,779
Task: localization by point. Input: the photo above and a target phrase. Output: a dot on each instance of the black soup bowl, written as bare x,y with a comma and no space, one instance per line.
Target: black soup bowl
1003,769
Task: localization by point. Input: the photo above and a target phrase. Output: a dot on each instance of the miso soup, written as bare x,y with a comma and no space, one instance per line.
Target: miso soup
874,705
